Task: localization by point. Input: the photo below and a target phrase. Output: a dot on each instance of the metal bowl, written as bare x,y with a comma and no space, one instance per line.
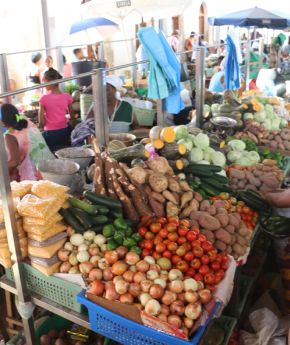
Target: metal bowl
80,155
223,121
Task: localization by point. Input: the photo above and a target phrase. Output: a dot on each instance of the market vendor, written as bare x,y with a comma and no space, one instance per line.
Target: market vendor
118,111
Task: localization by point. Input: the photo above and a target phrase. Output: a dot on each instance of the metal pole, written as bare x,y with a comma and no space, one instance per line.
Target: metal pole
45,21
247,62
200,85
59,59
134,68
261,53
101,51
160,113
4,77
13,240
100,106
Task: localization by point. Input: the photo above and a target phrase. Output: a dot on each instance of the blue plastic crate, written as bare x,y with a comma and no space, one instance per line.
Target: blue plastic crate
127,332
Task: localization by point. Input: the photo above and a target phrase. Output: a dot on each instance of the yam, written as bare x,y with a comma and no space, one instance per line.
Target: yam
167,134
220,245
177,197
169,196
186,197
208,234
194,223
198,197
208,222
204,205
159,165
234,221
223,219
187,211
230,228
141,207
185,186
270,181
173,185
99,176
229,250
158,182
221,210
239,174
156,207
212,210
109,170
195,215
241,184
172,209
219,204
241,240
194,203
158,197
223,236
243,231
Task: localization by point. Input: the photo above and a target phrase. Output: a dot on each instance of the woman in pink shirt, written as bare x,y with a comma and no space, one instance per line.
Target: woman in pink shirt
54,106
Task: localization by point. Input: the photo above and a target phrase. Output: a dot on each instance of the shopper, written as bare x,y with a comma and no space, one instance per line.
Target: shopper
49,62
174,41
67,68
24,144
79,54
188,45
36,69
54,106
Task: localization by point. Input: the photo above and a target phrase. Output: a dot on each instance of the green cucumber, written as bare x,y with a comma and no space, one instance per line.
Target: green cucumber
198,172
82,217
221,179
216,185
209,190
206,167
102,209
116,213
71,220
82,205
100,219
103,200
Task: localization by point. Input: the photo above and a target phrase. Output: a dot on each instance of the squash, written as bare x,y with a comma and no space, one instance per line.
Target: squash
130,153
168,135
155,133
173,151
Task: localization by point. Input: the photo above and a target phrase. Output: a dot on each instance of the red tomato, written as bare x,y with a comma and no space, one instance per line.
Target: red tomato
148,244
185,223
191,236
225,265
146,252
220,273
170,227
195,264
205,259
166,242
202,238
172,246
142,244
181,240
156,255
175,259
182,231
198,251
146,220
246,209
180,251
161,220
167,254
187,246
215,265
155,227
209,279
212,255
158,239
239,209
173,220
195,229
149,235
190,273
160,247
163,233
203,270
207,246
173,236
196,243
189,256
182,266
142,231
198,277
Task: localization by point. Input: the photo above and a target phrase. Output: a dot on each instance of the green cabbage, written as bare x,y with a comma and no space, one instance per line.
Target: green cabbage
207,152
267,124
237,145
275,124
248,116
191,137
233,156
244,160
254,157
218,158
283,123
215,107
181,132
201,141
260,116
203,162
195,155
187,142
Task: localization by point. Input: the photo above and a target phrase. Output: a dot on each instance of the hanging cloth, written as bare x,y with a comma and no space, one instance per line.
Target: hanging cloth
232,67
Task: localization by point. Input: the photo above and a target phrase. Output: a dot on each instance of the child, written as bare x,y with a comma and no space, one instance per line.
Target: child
52,113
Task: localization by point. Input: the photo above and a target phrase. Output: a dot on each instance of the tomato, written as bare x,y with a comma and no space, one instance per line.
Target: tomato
198,251
217,279
187,246
215,265
198,277
180,251
191,236
166,242
202,238
155,227
172,246
142,231
203,270
212,255
185,223
190,273
146,220
160,247
189,256
204,259
195,264
195,229
161,220
170,227
173,236
182,266
163,233
209,279
148,244
220,273
246,209
218,259
167,254
225,266
158,239
239,209
207,246
196,243
146,252
142,244
175,259
149,235
173,220
156,255
181,240
182,231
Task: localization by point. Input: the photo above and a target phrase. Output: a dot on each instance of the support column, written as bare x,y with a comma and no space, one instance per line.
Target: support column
45,20
199,85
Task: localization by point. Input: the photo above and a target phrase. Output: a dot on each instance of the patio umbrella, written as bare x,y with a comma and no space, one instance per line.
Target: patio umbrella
88,23
255,17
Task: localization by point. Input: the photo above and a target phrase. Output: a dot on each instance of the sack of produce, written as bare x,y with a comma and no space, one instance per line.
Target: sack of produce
48,248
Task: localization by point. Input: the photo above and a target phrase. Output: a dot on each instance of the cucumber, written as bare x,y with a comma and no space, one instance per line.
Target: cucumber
116,213
209,190
82,205
102,209
206,167
99,220
216,185
199,172
71,220
221,179
82,217
103,200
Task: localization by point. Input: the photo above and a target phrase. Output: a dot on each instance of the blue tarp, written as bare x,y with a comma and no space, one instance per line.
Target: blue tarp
255,16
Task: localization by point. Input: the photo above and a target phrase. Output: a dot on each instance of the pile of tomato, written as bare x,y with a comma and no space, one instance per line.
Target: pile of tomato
186,248
249,216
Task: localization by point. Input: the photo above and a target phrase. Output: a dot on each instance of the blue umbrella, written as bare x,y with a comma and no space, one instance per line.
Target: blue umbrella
91,23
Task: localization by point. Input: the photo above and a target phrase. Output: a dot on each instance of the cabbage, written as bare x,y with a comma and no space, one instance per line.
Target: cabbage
233,156
218,158
248,116
260,116
254,157
187,142
206,109
191,137
237,145
244,160
267,124
275,124
215,107
203,162
195,155
201,141
283,123
181,132
269,109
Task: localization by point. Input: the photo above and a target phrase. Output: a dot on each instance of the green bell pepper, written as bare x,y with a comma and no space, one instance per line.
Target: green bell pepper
112,245
108,230
129,232
120,224
129,242
136,249
119,236
136,237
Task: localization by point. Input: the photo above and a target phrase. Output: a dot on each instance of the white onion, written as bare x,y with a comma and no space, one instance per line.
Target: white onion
151,275
83,256
153,307
150,260
77,239
161,282
68,246
193,311
82,247
100,240
190,285
144,298
175,274
89,235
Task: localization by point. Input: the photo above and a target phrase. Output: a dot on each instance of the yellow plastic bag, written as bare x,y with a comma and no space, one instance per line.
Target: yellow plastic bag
46,235
47,222
46,252
47,189
20,189
19,227
41,230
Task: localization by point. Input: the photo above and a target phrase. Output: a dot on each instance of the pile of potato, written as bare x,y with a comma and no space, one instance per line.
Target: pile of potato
264,177
226,230
278,140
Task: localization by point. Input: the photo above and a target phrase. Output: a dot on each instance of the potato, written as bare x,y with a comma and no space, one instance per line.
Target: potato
223,218
229,250
156,207
224,236
195,204
198,197
243,231
194,223
255,181
234,221
204,205
270,181
195,215
212,210
221,210
159,165
169,196
251,187
158,197
220,245
229,228
233,239
137,175
208,234
187,210
186,197
208,222
238,249
236,173
171,209
158,182
241,184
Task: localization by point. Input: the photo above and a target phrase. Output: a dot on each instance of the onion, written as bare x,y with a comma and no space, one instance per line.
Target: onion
138,277
176,286
163,275
95,259
164,263
132,258
94,249
162,317
68,246
107,274
95,274
155,267
83,256
73,259
111,256
152,307
180,297
156,291
133,268
121,251
103,248
193,311
76,239
128,276
88,243
200,285
175,274
127,298
74,270
144,298
103,263
119,268
135,289
190,284
89,235
111,293
152,275
145,285
188,323
205,296
168,297
100,240
63,255
86,267
150,260
70,231
161,282
191,296
121,287
142,266
117,278
177,308
165,309
96,288
65,267
83,247
175,321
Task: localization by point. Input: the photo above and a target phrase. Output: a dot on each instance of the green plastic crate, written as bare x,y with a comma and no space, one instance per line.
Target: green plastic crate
53,288
145,117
